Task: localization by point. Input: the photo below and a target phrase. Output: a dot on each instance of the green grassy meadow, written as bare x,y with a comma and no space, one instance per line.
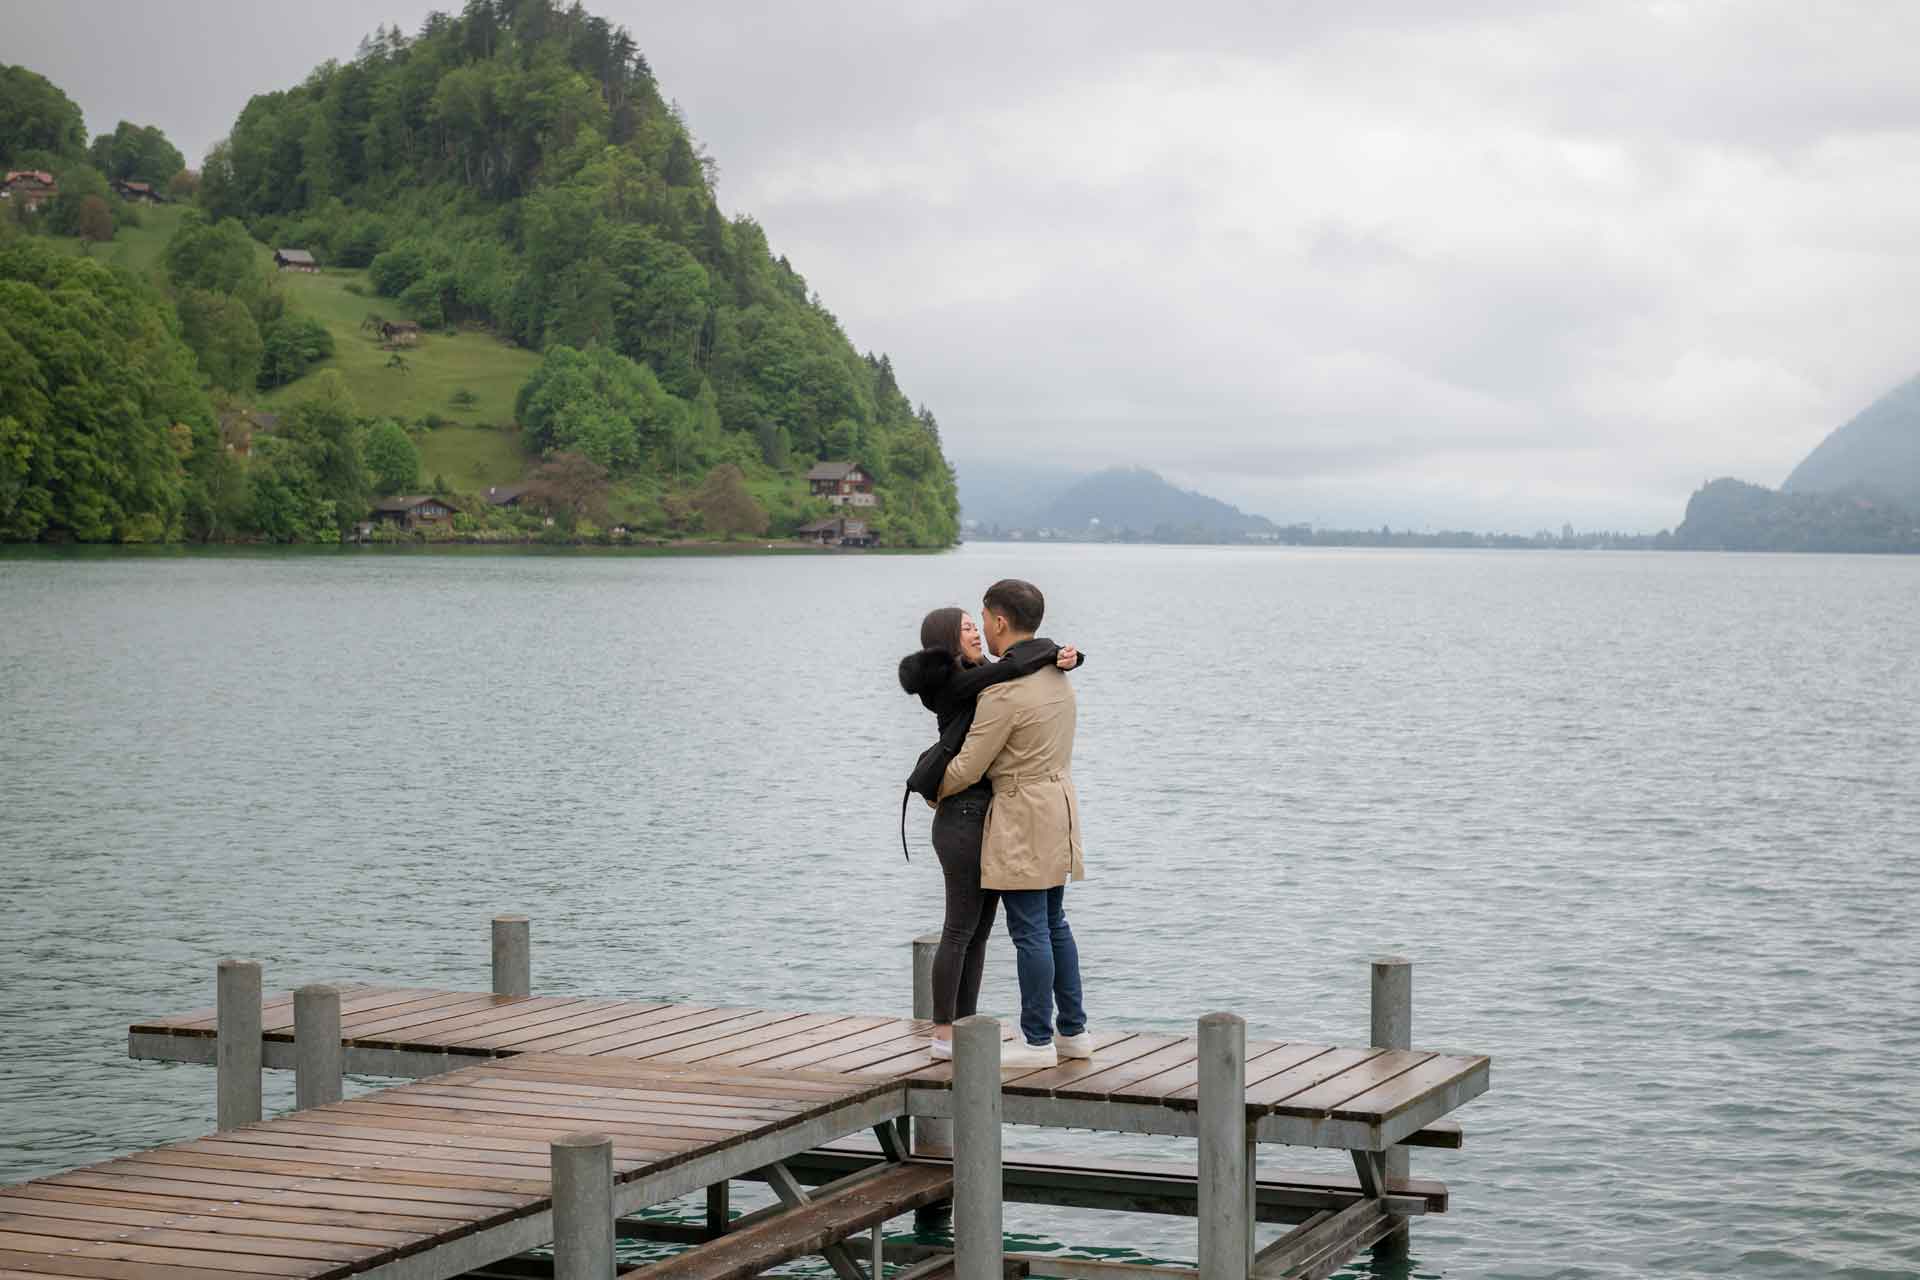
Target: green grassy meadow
138,249
479,445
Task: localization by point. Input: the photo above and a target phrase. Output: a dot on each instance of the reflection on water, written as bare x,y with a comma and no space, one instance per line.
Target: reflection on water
1645,823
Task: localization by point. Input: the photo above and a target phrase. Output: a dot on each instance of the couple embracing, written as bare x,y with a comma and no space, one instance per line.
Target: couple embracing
1006,827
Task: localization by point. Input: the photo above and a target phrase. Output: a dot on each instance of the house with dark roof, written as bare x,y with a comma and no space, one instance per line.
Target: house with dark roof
400,333
842,484
294,260
507,495
411,511
136,192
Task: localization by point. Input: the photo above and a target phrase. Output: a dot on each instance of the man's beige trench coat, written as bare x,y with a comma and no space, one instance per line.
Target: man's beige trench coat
1022,741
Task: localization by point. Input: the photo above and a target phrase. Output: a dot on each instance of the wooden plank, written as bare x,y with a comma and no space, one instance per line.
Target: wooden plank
180,1265
1315,1237
225,1172
467,1179
1259,1070
1283,1085
1446,1134
546,1129
1323,1097
537,1013
602,1013
1391,1097
430,1136
645,1016
400,1227
628,1043
566,1086
195,1019
374,1142
809,1228
180,1233
829,1034
415,1029
124,1251
566,1118
630,1073
227,1222
385,1158
444,1033
414,1004
1110,1049
664,1048
808,1059
767,1036
1162,1088
360,1201
1160,1053
883,1050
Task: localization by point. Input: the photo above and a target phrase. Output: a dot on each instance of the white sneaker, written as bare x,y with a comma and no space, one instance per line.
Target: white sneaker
942,1050
1080,1046
1027,1056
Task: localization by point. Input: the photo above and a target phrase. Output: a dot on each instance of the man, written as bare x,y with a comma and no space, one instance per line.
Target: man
1022,742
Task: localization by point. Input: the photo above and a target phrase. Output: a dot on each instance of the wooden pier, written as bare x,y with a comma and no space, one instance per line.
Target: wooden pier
538,1119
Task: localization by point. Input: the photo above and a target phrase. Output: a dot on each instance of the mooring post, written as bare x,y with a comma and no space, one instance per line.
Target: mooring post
583,1207
925,1135
237,1050
512,957
1226,1178
317,1053
977,1220
719,1208
1393,1029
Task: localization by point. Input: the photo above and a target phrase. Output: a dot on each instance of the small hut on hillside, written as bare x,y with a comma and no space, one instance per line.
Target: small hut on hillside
294,260
399,333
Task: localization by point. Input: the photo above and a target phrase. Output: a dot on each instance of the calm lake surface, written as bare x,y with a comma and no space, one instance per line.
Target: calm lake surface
1648,825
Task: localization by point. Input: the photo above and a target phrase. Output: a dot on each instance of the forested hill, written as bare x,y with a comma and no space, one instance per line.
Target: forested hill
516,167
1877,450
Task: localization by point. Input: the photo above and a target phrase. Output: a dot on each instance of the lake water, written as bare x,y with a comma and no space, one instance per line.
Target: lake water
1647,824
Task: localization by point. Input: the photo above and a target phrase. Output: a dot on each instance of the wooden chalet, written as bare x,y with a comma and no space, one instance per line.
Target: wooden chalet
412,511
507,495
137,192
399,333
294,260
30,187
842,484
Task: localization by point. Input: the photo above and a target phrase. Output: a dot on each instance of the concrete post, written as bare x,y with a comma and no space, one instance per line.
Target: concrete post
1393,1029
978,1228
926,1135
583,1207
1225,1190
318,1058
237,1050
512,957
719,1209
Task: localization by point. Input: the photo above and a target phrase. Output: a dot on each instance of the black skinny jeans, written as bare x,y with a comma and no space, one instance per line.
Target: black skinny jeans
958,826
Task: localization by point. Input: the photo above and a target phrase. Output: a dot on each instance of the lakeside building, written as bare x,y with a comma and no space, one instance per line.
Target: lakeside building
836,531
294,260
507,495
842,484
411,511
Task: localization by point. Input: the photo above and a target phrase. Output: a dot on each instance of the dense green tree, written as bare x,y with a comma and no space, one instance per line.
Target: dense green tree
321,439
94,224
223,336
220,257
99,402
78,184
289,346
36,116
136,152
600,404
392,458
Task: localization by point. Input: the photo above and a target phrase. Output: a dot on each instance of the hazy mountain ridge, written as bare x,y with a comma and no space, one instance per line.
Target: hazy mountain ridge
1878,449
1114,501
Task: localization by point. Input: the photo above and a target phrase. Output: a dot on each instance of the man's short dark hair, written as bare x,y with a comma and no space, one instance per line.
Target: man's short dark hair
1019,602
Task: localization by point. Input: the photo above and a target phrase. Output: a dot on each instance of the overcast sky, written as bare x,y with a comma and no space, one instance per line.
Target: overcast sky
1341,261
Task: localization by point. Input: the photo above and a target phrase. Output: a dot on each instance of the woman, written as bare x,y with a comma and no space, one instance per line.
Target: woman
948,673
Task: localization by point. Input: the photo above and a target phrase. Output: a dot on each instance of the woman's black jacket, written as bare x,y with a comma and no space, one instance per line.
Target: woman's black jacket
951,690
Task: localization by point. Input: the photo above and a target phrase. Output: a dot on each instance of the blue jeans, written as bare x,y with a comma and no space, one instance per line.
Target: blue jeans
1048,961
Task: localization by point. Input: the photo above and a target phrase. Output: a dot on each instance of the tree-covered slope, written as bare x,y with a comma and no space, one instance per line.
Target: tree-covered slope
1878,450
516,168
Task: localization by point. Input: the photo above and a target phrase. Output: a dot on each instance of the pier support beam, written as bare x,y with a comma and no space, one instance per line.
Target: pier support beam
237,1053
1226,1151
1393,1029
318,1056
583,1207
978,1228
927,1135
512,957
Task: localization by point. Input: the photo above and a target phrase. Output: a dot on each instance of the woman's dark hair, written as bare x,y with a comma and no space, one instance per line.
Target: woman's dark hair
941,630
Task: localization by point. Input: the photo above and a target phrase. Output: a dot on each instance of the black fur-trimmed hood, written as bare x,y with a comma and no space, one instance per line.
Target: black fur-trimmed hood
926,672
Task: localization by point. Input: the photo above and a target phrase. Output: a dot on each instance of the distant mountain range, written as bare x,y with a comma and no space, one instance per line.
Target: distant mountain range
1117,502
1878,450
